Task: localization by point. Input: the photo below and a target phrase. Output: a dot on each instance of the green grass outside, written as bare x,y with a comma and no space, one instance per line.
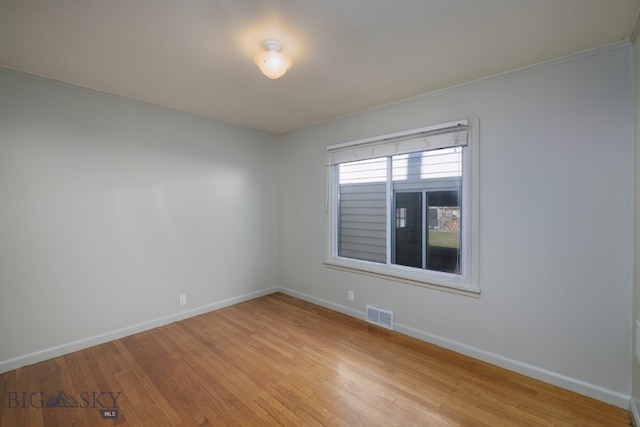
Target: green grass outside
444,239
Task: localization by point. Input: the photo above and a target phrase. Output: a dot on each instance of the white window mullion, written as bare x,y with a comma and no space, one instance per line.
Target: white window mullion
425,229
390,212
334,205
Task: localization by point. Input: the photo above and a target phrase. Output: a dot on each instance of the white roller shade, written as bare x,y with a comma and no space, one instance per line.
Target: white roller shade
450,135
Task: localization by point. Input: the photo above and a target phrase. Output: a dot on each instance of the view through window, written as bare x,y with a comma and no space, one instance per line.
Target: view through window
403,204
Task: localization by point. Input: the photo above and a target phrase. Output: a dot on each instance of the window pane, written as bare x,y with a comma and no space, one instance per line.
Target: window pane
363,171
443,241
428,186
426,165
408,238
443,163
362,222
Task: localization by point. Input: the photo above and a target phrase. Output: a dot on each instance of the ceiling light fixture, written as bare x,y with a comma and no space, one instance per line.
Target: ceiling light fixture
273,63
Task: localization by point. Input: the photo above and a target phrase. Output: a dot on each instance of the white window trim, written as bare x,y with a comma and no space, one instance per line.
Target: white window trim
467,283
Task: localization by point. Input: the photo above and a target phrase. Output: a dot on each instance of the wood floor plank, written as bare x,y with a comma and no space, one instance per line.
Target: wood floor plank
281,361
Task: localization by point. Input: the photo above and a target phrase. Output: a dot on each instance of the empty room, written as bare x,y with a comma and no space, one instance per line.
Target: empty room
319,213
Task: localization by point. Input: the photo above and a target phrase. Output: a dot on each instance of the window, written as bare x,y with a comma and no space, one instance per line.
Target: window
405,206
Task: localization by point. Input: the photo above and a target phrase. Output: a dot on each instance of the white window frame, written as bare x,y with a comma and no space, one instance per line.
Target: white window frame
465,283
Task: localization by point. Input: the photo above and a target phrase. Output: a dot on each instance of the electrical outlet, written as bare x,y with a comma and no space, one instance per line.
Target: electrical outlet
183,299
350,295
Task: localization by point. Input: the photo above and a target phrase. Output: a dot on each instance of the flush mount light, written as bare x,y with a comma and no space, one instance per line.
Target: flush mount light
272,62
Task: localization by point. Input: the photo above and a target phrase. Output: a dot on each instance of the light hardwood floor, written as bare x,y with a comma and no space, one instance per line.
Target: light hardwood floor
277,360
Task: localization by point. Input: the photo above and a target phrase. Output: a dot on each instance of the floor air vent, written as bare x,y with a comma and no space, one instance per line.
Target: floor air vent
380,317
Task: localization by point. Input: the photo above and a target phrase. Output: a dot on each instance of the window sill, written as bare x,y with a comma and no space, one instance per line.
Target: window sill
401,274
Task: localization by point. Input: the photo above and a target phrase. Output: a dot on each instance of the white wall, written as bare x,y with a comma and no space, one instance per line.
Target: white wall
635,406
109,209
556,176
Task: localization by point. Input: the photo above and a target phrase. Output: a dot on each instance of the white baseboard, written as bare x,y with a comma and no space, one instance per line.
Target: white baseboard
581,387
610,396
49,353
591,390
324,303
633,409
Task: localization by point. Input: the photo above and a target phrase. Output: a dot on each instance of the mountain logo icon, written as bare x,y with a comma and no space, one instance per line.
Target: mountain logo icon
62,400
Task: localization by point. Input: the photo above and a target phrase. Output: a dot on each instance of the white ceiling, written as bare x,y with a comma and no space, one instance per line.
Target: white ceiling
196,55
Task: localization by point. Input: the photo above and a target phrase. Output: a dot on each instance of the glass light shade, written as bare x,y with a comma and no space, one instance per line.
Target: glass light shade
273,64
